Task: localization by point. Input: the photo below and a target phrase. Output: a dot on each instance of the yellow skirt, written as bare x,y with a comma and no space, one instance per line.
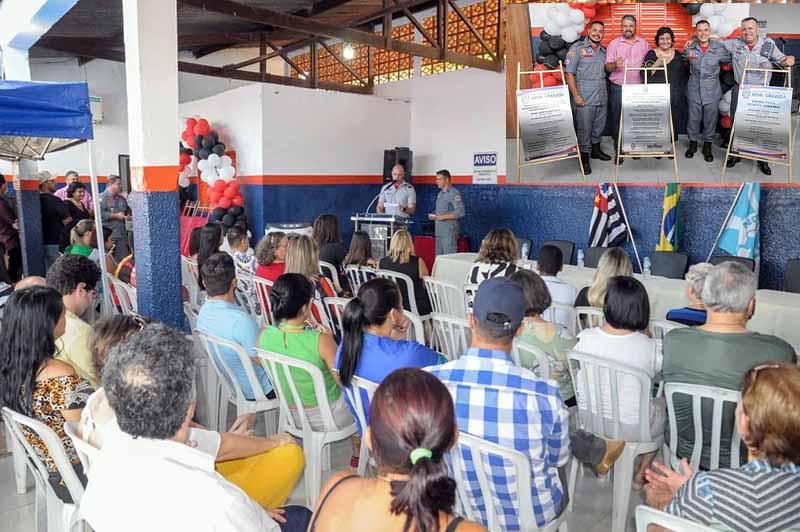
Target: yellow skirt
267,478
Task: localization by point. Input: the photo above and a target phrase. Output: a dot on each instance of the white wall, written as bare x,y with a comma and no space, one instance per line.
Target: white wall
236,115
453,115
780,18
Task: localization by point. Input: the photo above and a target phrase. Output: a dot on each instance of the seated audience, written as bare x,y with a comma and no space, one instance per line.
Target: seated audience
210,240
32,381
551,338
220,316
413,426
401,259
75,278
719,353
267,469
614,262
762,495
329,242
271,256
146,477
302,257
622,339
290,299
373,343
522,412
240,250
360,253
695,313
548,265
497,256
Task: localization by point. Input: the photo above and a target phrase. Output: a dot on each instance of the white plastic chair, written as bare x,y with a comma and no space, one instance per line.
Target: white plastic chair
245,294
335,307
189,279
446,298
646,516
329,271
469,296
208,385
358,275
481,450
316,445
699,394
87,453
588,317
232,390
59,516
592,419
402,280
452,334
20,463
556,310
355,395
262,288
416,330
542,368
126,295
658,328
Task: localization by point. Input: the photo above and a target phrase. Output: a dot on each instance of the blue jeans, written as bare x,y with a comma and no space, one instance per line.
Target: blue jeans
297,519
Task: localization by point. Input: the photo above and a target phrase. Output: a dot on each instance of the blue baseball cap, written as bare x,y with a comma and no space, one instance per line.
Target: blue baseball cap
502,297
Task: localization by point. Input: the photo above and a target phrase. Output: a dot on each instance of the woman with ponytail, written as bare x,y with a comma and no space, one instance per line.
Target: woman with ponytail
412,426
373,340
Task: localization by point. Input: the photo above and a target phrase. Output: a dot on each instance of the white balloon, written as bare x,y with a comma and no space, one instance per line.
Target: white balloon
578,29
225,161
551,12
563,8
562,20
719,8
184,182
724,107
696,19
203,165
576,16
725,29
715,21
214,160
569,35
707,10
211,176
552,28
227,173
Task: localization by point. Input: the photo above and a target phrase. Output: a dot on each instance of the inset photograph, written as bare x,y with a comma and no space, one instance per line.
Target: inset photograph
654,92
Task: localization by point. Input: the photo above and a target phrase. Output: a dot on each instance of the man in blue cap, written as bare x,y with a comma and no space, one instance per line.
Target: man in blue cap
503,403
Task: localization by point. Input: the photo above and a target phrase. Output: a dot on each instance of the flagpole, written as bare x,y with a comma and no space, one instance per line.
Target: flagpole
725,222
628,228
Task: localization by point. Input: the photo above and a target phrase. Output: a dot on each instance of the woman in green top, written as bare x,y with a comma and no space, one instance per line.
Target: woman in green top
290,299
551,338
81,239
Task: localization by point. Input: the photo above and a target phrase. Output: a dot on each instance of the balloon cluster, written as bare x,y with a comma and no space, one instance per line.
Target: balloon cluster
226,194
568,20
187,160
228,217
722,25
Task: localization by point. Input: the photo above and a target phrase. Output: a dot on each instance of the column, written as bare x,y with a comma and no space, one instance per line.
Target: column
151,68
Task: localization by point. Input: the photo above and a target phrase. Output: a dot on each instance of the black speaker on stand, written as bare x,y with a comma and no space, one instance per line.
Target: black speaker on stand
401,156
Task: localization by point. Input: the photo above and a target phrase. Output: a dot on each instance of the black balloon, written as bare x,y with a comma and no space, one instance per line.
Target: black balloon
214,135
540,59
219,212
556,43
544,36
544,48
187,151
235,210
562,54
551,60
228,220
219,149
728,79
203,153
198,140
208,142
693,9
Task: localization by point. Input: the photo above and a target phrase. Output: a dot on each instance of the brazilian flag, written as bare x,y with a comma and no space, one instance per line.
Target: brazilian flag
669,220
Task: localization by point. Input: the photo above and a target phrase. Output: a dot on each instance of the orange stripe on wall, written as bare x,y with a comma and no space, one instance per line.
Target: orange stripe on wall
29,185
154,178
83,179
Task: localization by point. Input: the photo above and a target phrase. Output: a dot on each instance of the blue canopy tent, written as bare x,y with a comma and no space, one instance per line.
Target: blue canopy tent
38,118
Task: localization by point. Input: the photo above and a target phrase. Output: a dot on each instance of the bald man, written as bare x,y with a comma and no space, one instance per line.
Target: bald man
398,197
31,280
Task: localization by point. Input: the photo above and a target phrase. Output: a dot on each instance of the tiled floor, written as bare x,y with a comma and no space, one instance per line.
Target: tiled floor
592,505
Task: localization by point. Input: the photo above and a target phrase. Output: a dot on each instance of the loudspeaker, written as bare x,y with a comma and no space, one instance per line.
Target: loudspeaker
401,156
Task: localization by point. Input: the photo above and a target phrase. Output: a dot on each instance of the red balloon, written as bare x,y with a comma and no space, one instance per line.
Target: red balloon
725,122
589,12
225,203
190,123
238,201
549,81
220,185
735,33
185,159
726,67
214,195
575,5
234,185
230,193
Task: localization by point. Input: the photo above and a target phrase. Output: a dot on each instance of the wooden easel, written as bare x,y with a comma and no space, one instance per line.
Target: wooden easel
788,163
674,154
543,160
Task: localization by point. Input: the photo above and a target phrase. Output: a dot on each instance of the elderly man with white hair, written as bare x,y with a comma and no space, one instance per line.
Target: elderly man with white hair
695,312
719,353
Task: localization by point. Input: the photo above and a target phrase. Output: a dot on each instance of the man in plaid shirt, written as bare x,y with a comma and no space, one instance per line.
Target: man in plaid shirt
510,406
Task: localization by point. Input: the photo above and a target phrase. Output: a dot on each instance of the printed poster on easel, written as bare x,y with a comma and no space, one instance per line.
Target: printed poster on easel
545,123
646,123
763,116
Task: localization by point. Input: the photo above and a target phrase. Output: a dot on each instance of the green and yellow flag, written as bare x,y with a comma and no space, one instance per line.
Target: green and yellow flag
669,219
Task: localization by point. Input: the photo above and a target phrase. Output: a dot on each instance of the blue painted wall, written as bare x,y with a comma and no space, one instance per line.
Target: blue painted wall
543,213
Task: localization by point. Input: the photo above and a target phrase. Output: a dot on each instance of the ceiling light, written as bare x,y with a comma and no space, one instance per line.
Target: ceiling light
348,52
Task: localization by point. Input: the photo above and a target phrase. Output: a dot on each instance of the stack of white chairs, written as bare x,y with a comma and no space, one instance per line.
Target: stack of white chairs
230,391
446,298
126,295
52,514
294,419
591,417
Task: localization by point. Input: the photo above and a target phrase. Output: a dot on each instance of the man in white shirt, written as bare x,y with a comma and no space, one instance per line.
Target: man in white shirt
549,262
146,477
